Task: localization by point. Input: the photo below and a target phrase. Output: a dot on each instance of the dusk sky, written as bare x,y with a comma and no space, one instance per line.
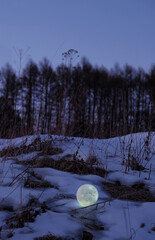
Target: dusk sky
104,31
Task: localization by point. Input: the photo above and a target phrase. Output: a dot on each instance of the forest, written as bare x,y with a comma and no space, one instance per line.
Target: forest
76,100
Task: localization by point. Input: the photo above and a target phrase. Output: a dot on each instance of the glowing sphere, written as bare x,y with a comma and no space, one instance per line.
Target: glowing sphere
87,195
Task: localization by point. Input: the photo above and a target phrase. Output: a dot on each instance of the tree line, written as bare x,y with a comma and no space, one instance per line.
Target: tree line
81,100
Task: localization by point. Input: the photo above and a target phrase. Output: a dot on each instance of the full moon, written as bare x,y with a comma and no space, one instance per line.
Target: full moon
87,195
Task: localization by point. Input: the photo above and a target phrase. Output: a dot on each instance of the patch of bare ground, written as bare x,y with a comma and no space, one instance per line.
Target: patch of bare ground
49,237
45,148
73,166
6,208
29,214
18,220
35,181
137,192
85,236
29,183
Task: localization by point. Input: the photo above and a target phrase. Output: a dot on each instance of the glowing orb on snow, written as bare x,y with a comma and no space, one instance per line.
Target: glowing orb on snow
87,195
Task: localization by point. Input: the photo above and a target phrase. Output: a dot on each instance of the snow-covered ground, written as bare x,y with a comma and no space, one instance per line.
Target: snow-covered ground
56,210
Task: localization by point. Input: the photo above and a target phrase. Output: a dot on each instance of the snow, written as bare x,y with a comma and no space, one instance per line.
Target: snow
64,217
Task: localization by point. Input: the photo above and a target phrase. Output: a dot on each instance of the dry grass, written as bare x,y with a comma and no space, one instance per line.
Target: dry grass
37,184
30,213
85,236
137,192
49,237
78,166
45,148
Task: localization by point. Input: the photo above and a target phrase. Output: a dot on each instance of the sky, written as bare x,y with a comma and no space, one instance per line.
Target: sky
106,32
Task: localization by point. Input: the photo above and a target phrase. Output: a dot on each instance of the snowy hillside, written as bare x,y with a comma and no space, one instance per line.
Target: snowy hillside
40,175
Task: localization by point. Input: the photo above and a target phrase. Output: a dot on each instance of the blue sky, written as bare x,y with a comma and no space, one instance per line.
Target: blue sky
104,31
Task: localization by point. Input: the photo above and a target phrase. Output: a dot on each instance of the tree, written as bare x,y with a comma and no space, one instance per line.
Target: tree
10,122
46,80
30,78
9,84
